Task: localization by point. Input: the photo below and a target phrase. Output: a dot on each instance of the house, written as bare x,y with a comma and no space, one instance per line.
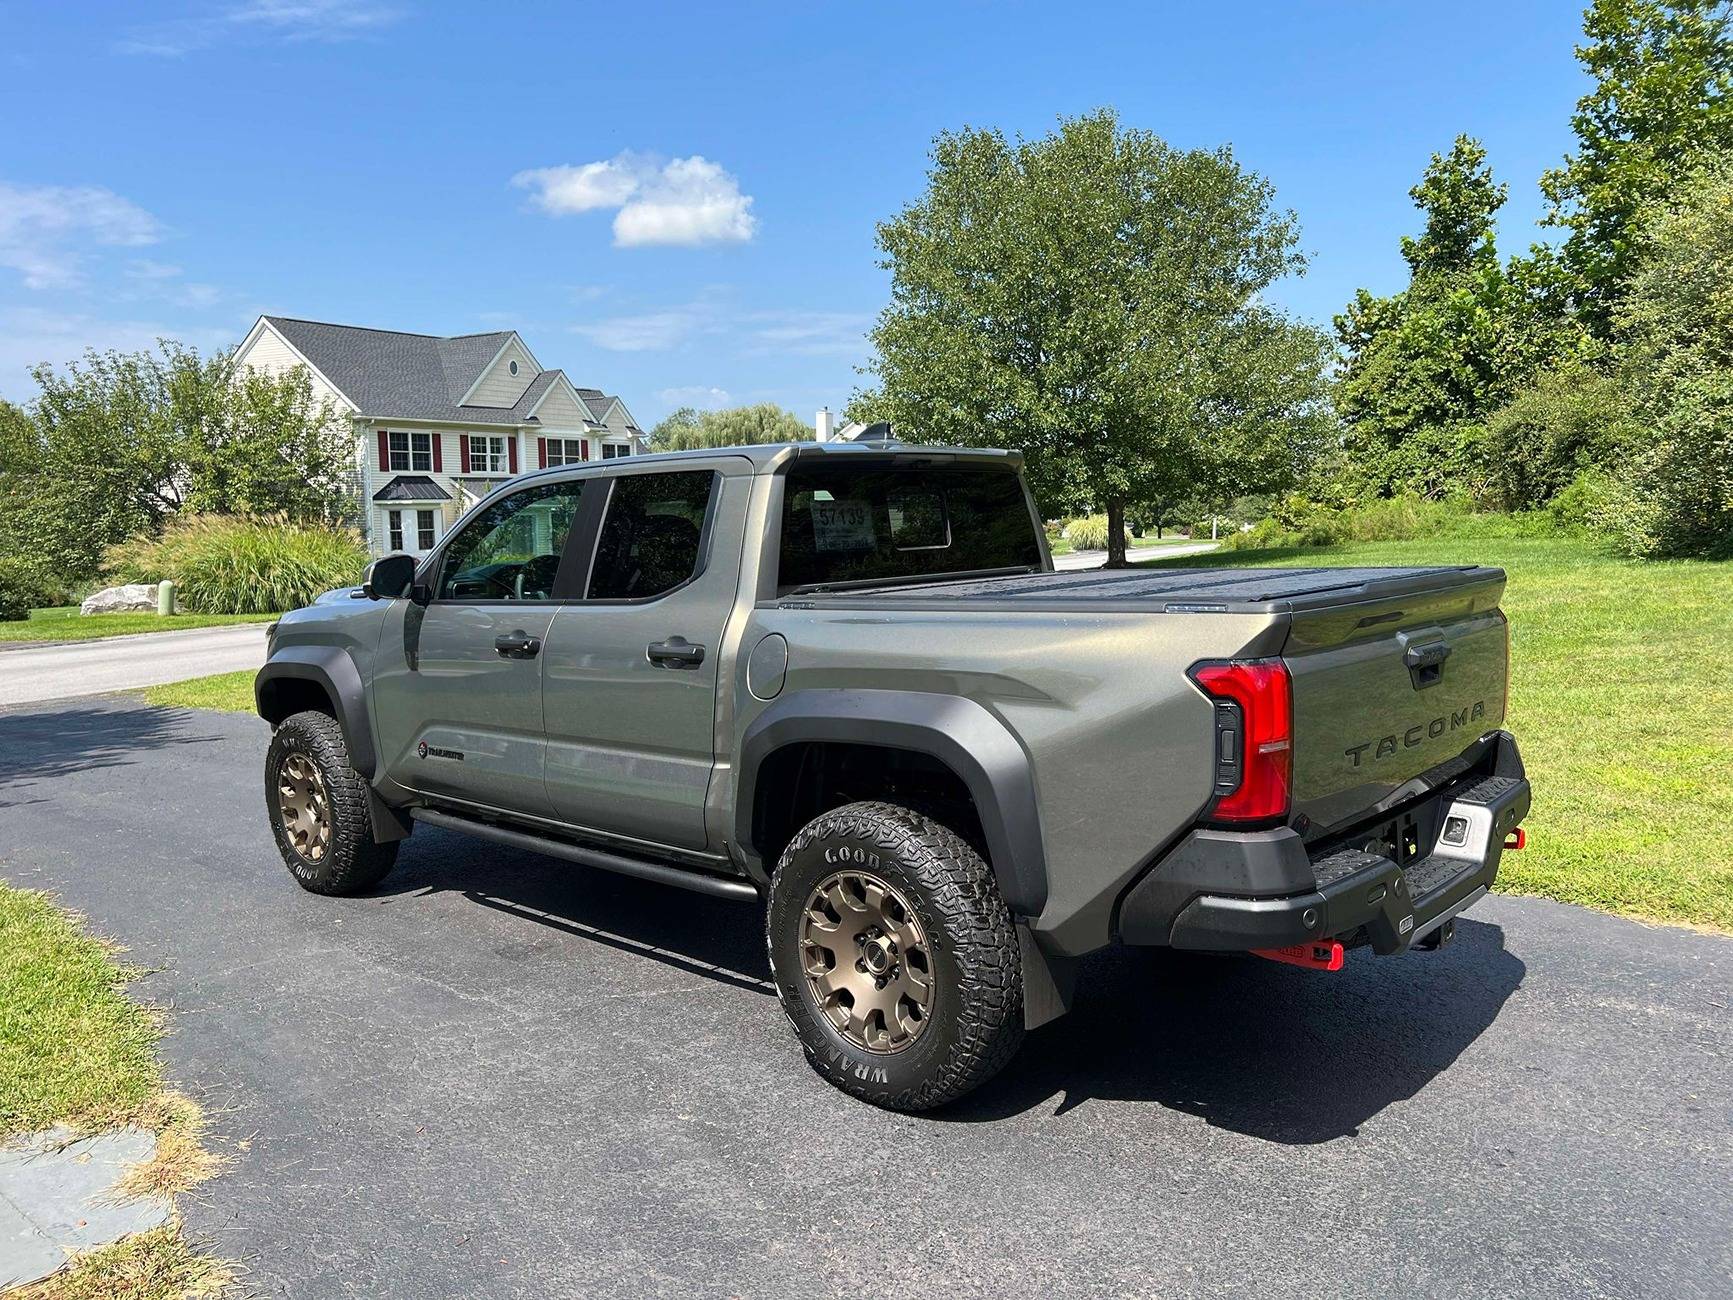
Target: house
440,422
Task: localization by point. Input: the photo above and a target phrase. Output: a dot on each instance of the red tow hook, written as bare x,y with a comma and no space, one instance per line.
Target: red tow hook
1516,839
1313,956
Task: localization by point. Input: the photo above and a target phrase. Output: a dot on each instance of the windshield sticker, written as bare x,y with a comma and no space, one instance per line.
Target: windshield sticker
843,525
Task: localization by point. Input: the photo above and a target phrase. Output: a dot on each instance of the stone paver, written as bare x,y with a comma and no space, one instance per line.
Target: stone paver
58,1199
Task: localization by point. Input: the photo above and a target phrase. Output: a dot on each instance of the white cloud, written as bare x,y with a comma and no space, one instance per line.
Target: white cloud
325,21
44,228
699,395
30,336
684,201
651,331
786,331
809,333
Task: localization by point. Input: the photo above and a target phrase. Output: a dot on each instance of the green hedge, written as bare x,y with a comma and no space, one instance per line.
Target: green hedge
234,564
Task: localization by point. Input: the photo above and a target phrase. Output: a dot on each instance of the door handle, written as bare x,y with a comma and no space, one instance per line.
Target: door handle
517,645
675,652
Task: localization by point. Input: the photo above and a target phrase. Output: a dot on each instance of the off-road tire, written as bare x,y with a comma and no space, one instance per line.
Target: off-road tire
352,861
976,1019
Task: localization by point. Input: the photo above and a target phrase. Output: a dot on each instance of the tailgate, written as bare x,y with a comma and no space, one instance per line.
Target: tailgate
1389,687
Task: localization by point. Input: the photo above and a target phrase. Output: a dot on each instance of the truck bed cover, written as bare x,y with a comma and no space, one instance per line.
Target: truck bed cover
1147,590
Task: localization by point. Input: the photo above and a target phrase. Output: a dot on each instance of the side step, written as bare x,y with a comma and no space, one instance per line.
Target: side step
716,886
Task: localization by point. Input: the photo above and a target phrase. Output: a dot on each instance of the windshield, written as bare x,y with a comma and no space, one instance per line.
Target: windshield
877,523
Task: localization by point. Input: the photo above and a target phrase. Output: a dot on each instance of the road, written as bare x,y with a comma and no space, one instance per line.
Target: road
503,1076
1095,559
33,673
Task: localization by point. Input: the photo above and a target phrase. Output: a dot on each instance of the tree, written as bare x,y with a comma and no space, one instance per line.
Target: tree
1093,298
124,440
740,426
1663,70
1422,369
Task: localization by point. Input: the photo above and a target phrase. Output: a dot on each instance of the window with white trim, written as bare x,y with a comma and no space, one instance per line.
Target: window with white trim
411,451
487,455
566,451
411,531
614,450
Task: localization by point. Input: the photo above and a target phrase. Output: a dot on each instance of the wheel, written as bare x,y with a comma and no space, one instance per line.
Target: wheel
895,956
318,808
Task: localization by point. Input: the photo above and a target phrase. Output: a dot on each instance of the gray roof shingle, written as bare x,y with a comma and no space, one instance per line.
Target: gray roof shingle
413,376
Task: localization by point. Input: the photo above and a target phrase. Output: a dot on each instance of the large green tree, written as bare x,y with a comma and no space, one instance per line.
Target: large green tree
1094,297
117,442
688,429
1662,70
1423,368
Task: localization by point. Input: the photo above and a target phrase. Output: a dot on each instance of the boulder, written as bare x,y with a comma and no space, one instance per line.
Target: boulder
134,597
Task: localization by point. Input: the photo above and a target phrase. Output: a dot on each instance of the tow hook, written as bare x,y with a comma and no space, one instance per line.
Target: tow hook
1516,839
1313,956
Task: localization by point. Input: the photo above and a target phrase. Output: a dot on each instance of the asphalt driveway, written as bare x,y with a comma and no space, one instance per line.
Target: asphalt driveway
506,1076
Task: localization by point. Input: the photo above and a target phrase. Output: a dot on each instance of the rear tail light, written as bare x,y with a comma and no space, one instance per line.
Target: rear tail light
1254,714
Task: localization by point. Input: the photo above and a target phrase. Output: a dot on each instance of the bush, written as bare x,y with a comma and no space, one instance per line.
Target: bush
1567,422
1299,521
21,590
236,564
1088,533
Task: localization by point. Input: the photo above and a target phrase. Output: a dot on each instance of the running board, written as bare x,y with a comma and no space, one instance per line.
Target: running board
717,886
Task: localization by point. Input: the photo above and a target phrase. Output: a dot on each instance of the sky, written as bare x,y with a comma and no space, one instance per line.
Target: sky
676,202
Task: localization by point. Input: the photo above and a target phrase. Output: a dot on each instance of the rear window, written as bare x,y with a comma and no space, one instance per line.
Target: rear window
843,523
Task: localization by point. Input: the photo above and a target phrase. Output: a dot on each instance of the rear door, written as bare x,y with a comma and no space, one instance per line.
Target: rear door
630,671
457,693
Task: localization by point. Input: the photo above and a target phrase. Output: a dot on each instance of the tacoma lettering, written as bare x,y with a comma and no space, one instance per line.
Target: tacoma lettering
1385,746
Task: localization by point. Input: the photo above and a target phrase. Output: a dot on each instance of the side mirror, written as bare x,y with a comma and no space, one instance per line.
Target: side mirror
389,577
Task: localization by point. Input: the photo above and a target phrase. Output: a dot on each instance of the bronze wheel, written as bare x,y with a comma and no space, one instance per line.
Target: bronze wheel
867,962
304,808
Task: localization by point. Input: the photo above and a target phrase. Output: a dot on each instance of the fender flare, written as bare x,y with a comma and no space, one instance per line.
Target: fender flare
958,732
334,671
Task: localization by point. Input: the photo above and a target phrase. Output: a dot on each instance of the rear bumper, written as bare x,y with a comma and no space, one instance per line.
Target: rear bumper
1231,891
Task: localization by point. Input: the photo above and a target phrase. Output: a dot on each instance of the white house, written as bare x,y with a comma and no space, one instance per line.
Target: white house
440,421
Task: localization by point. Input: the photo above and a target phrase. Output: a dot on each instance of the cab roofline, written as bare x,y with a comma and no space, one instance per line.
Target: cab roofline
771,457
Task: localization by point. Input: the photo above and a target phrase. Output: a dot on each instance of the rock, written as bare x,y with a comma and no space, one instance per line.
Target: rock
134,597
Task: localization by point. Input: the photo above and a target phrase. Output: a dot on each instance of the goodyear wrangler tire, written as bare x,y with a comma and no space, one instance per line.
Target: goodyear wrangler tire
895,956
318,809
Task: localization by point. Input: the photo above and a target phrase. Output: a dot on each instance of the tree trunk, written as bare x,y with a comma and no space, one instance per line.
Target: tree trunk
1115,533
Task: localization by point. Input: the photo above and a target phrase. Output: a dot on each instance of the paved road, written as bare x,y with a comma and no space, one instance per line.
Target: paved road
504,1076
1095,559
29,674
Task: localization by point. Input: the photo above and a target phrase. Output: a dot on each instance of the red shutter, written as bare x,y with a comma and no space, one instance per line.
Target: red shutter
511,453
385,451
463,451
584,448
438,465
542,452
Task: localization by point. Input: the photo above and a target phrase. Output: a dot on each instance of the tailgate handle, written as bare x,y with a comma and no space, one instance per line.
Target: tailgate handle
1426,663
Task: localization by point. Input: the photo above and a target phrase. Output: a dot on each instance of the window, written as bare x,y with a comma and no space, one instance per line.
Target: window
487,455
411,451
843,523
614,450
566,451
513,367
512,549
422,521
651,537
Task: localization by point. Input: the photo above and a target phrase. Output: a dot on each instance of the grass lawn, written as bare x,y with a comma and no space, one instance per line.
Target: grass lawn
1059,546
228,692
1622,700
65,623
75,1050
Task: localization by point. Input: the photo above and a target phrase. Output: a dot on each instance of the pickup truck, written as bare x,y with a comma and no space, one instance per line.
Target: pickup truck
845,680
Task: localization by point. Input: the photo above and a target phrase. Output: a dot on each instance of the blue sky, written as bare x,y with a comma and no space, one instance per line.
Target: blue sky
674,202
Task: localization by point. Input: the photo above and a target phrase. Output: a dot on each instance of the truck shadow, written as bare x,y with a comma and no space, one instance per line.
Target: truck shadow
1273,1052
1285,1055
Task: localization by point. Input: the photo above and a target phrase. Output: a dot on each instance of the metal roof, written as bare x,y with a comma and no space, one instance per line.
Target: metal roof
412,487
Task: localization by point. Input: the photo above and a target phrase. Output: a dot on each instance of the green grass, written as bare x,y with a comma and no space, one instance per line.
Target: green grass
64,623
1622,700
226,692
73,1047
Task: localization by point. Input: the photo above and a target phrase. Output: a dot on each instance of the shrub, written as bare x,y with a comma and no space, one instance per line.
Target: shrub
21,590
236,564
1568,421
1088,533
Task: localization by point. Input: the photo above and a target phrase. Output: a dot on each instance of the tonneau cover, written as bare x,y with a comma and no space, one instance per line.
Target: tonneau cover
1274,590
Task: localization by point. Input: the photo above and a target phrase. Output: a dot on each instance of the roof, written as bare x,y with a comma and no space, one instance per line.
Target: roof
418,376
412,487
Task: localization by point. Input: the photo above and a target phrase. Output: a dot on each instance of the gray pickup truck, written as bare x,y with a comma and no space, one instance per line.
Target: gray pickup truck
846,680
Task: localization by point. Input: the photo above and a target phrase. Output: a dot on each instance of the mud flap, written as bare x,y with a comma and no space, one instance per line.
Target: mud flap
1048,982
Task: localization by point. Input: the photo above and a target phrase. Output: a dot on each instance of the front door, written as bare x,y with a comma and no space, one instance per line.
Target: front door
629,684
457,693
